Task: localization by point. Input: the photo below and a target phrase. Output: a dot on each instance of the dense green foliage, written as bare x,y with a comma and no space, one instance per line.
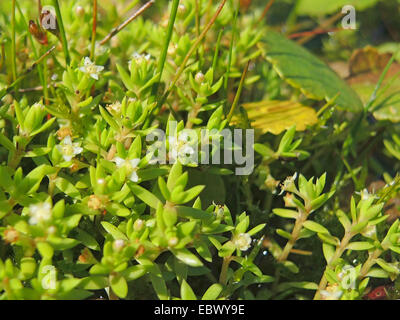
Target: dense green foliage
86,212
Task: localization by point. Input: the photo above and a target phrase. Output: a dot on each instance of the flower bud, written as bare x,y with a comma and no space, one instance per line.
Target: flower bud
118,244
172,242
138,225
80,11
182,10
11,235
199,78
94,202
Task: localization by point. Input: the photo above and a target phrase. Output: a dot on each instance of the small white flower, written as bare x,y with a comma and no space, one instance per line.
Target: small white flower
243,241
39,212
69,149
139,58
115,108
288,184
180,149
38,105
90,68
131,167
365,195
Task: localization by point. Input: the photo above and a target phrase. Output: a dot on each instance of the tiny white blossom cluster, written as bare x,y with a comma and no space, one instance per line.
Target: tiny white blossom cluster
69,149
131,167
139,58
180,148
39,213
91,69
242,241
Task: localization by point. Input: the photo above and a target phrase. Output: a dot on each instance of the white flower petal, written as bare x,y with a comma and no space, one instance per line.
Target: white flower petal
77,150
119,162
67,158
87,61
67,140
134,177
134,162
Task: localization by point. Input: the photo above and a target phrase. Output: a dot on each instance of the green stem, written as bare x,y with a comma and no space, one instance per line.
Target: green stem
164,52
294,236
27,71
338,253
62,32
238,93
228,67
41,70
370,262
13,44
224,270
189,54
17,156
215,60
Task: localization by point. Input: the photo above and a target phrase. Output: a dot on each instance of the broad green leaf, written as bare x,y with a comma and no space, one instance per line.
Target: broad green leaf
303,70
67,187
187,257
284,234
187,292
316,227
291,266
188,212
256,229
144,195
327,238
113,230
119,286
301,285
5,142
315,7
286,213
45,249
126,79
62,243
109,119
389,267
213,292
377,273
360,245
37,152
94,283
203,250
329,251
134,272
87,239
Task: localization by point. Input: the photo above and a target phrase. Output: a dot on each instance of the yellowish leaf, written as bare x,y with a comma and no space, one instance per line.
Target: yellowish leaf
278,116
